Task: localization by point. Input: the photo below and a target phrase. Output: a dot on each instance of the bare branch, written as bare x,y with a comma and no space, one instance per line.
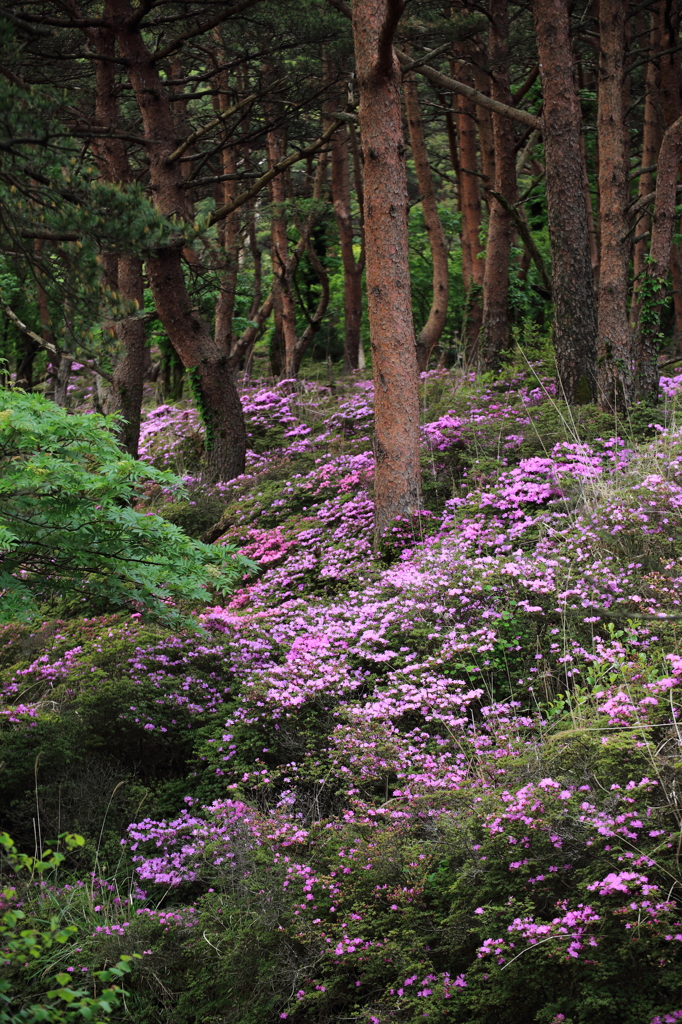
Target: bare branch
48,344
228,12
452,85
283,165
200,132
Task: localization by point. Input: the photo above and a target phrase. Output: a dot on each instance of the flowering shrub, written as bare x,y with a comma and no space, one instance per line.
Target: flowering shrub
439,784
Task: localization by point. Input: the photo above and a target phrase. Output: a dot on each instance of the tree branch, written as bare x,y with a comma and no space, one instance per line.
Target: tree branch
452,85
283,165
524,231
200,132
228,12
394,12
48,344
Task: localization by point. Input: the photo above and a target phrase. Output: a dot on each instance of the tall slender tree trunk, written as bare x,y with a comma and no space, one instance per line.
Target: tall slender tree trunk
651,141
206,361
352,268
394,355
473,265
304,245
575,310
653,291
495,336
127,381
667,15
430,334
615,380
229,230
486,135
591,225
285,301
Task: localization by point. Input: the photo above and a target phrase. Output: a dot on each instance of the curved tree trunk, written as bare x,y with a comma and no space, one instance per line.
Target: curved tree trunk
396,397
430,334
495,336
206,362
575,311
615,381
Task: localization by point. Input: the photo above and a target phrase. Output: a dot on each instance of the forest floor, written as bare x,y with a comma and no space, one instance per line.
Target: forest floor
442,782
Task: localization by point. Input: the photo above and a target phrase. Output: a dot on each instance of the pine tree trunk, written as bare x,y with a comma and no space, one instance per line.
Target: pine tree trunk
396,397
486,135
470,204
495,335
352,268
652,293
206,362
285,302
651,141
667,15
127,382
127,379
615,379
228,230
575,311
430,334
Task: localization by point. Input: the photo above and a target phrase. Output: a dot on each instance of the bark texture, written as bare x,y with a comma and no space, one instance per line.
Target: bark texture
352,268
615,377
282,266
651,141
396,401
667,14
127,382
206,361
473,266
495,335
575,310
653,291
430,334
229,230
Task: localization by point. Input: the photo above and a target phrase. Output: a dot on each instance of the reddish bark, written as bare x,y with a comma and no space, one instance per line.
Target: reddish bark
651,141
305,230
209,371
473,264
653,291
229,231
284,298
352,268
591,226
614,351
430,334
396,397
575,311
667,16
485,130
495,334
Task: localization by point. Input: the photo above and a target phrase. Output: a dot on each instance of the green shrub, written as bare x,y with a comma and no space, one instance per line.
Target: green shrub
67,530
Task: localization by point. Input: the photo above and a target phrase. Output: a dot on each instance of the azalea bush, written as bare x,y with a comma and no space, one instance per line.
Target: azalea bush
438,784
67,528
